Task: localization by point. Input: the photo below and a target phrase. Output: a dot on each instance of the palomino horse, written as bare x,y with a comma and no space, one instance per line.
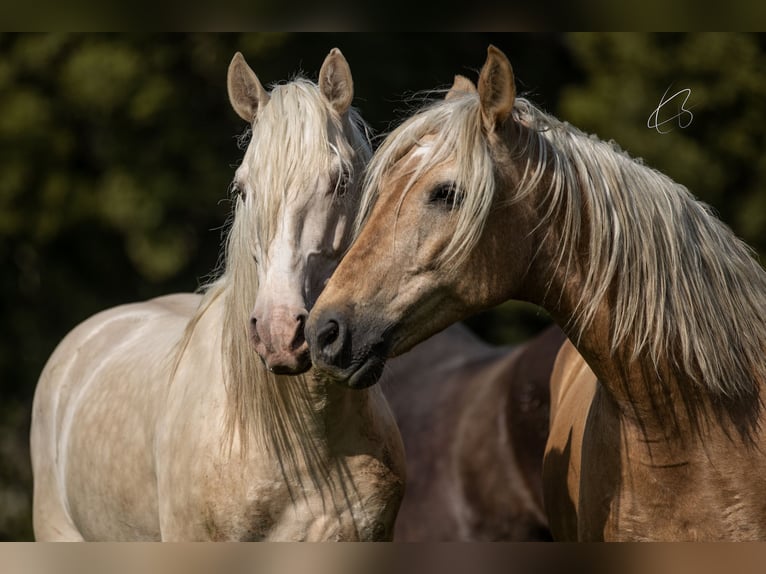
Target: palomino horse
157,420
656,414
474,421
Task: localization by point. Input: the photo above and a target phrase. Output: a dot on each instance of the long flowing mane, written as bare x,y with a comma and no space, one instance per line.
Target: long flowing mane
684,290
288,146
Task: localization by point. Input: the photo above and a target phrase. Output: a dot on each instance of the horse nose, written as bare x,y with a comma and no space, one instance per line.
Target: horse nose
299,338
278,338
329,340
279,329
254,324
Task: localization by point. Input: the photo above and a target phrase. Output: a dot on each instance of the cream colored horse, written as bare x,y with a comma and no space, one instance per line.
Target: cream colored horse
657,429
158,421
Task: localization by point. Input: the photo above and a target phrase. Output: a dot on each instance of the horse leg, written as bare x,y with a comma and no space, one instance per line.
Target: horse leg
52,522
50,517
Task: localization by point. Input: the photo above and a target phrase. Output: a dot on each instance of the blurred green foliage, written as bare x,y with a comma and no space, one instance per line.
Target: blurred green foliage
116,151
720,156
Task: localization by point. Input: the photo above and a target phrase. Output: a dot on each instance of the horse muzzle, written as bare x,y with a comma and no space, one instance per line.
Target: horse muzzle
280,342
343,352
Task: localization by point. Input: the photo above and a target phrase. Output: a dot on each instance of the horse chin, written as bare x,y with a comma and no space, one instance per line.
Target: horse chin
287,363
358,376
368,373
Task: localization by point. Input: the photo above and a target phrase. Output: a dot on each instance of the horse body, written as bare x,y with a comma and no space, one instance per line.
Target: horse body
610,475
656,412
172,480
158,420
82,416
474,425
347,488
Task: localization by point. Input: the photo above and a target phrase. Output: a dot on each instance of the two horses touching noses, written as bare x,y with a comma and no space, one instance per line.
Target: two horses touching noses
218,416
656,421
197,417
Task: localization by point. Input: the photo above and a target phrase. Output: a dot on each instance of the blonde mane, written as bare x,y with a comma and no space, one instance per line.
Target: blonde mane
687,292
288,146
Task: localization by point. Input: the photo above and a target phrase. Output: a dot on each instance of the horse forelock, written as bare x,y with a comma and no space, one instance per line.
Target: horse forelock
295,137
454,125
686,291
292,140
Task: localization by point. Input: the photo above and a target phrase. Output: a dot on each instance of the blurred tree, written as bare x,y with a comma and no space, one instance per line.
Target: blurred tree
719,156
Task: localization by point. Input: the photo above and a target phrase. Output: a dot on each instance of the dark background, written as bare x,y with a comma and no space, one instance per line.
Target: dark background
116,151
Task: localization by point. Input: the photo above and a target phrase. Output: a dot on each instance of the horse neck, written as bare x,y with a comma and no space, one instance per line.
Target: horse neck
655,392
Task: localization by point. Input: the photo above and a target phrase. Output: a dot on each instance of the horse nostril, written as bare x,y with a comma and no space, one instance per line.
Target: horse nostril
328,334
329,341
299,338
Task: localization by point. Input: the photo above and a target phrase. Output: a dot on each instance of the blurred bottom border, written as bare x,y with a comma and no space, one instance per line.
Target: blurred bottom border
379,558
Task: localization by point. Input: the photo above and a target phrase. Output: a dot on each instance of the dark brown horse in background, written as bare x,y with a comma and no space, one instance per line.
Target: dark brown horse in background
474,426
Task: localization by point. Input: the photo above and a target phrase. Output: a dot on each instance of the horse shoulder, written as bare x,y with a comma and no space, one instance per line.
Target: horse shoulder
428,390
507,416
196,478
466,441
528,408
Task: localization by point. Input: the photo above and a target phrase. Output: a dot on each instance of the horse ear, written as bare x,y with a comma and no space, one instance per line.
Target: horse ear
460,87
246,93
335,81
496,89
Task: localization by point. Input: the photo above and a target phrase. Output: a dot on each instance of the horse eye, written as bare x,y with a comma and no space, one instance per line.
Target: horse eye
237,190
341,183
446,195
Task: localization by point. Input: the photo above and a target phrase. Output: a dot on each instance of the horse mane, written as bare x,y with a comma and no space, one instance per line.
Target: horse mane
288,146
684,290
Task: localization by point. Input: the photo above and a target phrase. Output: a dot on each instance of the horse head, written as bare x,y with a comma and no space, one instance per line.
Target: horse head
296,194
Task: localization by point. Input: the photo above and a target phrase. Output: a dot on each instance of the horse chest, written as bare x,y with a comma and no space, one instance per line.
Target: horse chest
233,500
318,484
249,503
207,493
